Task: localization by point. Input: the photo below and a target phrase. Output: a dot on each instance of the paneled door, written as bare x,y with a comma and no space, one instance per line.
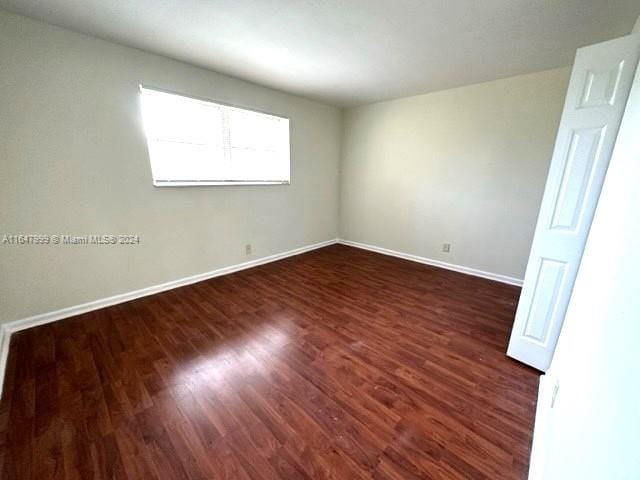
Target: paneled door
598,89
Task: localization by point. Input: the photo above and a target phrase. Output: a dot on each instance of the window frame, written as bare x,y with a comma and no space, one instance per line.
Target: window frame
202,183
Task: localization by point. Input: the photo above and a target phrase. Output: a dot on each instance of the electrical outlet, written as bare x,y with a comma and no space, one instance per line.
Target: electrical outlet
247,249
446,247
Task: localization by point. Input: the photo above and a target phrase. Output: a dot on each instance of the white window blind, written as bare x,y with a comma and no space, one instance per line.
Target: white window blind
196,142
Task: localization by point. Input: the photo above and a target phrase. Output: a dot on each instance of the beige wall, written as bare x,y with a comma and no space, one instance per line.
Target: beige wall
74,161
465,166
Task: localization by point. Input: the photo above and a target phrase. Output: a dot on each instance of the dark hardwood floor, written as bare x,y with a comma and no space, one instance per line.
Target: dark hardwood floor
339,363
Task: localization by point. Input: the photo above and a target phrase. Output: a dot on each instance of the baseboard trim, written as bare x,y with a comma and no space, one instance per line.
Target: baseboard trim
4,354
9,328
435,263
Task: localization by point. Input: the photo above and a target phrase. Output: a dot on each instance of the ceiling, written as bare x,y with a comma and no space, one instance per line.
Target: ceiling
350,52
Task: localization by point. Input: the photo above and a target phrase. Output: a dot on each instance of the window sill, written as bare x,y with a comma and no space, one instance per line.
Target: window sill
218,183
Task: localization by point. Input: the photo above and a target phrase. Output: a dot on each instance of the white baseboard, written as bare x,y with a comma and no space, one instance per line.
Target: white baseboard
14,326
4,354
436,263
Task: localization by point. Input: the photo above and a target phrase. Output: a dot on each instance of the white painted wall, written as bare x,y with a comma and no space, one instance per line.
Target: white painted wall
74,161
592,431
465,166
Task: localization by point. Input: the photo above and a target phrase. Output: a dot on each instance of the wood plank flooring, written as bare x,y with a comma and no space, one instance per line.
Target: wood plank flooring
335,364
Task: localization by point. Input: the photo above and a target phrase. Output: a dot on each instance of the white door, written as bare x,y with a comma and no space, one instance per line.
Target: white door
588,413
597,93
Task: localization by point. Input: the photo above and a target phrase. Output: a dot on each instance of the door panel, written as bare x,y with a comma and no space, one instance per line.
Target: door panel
584,155
598,90
601,87
551,276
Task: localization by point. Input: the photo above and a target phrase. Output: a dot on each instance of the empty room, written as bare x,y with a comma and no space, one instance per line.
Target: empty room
319,239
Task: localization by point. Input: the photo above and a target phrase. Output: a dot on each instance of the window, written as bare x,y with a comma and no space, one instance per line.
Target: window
196,142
